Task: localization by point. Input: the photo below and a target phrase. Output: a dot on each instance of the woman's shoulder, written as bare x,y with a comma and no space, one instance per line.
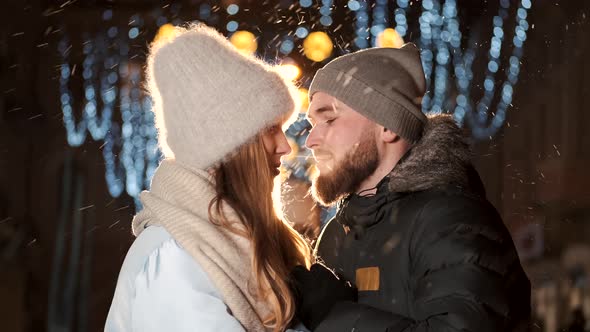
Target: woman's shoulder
150,243
156,255
161,281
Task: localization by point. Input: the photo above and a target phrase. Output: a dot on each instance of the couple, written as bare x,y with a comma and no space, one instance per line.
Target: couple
414,246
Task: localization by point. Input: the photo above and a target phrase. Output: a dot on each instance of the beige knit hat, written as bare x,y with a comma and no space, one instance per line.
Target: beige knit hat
209,98
384,84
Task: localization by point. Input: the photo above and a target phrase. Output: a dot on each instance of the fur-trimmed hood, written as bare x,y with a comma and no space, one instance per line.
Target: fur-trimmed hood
440,159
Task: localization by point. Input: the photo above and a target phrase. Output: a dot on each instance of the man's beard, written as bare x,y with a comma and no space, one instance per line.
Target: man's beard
347,175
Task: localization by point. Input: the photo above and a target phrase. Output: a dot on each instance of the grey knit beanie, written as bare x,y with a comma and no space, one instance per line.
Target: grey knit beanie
209,98
384,84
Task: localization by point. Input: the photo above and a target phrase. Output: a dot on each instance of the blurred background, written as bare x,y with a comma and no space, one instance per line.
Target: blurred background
77,142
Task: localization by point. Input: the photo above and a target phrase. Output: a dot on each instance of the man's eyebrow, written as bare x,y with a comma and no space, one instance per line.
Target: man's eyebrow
319,111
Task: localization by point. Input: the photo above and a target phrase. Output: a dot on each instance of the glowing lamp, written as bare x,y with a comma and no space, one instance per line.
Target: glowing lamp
304,97
317,46
289,71
244,41
166,32
389,38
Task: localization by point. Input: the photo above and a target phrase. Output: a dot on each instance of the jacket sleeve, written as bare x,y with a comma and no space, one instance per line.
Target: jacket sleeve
173,293
465,276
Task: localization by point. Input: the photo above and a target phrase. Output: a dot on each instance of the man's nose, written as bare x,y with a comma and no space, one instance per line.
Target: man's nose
313,139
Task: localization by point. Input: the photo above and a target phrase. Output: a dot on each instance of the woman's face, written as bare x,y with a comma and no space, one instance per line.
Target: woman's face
276,146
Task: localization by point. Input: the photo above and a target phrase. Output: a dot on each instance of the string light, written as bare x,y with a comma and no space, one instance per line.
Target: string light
287,46
136,138
440,40
326,12
300,164
108,91
76,133
512,78
107,15
379,20
430,41
463,110
305,3
361,22
301,32
204,11
233,9
232,26
131,151
400,17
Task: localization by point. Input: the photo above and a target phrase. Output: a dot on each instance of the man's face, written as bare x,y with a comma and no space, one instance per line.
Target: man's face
344,146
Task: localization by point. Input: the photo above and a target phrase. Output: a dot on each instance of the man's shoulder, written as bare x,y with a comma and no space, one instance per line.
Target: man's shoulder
439,212
436,210
447,199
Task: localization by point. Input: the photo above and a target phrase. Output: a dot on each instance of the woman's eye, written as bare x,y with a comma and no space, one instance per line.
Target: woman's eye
330,121
273,129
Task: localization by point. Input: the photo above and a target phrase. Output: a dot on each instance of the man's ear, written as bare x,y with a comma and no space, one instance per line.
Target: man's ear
389,136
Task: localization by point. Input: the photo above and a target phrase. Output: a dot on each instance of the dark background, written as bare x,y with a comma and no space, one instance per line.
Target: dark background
536,169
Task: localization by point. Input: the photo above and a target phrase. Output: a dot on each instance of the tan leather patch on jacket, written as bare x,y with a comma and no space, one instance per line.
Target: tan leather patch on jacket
367,278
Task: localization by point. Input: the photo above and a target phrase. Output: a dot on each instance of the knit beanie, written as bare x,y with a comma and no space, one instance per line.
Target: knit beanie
208,98
385,85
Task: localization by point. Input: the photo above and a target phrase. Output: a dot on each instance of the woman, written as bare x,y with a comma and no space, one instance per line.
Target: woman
210,253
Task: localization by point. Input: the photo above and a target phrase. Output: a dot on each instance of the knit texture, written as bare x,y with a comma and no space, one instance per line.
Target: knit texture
178,200
209,98
384,84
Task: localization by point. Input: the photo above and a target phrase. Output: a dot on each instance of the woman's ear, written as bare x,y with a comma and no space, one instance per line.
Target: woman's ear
389,136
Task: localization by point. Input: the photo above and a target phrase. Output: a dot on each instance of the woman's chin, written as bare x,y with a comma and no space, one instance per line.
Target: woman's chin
274,172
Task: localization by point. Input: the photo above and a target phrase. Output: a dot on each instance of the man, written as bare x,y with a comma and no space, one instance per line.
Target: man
414,232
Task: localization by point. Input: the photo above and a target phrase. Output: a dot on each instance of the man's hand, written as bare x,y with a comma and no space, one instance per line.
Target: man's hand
317,291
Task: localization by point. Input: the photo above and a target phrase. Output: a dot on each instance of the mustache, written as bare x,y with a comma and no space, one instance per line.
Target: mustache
321,154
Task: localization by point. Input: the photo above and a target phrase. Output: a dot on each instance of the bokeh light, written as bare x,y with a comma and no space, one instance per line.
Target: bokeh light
231,26
317,46
165,32
389,38
289,71
233,9
244,41
304,96
110,85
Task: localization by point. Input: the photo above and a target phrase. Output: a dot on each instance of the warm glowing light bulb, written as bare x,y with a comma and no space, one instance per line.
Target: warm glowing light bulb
244,41
317,46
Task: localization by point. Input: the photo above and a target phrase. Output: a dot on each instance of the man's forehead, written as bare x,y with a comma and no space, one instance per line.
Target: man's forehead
322,102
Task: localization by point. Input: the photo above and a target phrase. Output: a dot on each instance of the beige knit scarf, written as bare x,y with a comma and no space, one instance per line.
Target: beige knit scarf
178,200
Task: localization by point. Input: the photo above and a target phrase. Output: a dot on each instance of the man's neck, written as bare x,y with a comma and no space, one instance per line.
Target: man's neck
389,160
369,185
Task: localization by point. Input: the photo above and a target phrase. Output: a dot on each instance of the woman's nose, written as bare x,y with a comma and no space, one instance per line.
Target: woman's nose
283,147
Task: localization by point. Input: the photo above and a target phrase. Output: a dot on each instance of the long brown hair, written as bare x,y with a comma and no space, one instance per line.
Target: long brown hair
245,182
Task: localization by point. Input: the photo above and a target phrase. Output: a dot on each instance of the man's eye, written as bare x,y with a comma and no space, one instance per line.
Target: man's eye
330,121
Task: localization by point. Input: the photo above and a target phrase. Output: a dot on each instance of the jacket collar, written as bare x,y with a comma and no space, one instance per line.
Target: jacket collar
441,159
358,212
